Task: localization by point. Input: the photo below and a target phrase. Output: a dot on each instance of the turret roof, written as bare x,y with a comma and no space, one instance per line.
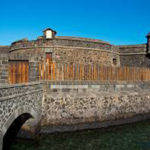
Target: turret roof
148,35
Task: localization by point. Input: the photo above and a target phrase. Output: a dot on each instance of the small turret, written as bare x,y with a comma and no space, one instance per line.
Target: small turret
49,33
148,43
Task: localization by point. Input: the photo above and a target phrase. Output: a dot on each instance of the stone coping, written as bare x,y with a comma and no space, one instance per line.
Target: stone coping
81,39
83,83
88,82
69,38
133,46
102,86
62,46
120,52
4,98
19,85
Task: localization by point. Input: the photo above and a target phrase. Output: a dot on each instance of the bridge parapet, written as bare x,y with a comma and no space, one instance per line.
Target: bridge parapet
17,100
16,89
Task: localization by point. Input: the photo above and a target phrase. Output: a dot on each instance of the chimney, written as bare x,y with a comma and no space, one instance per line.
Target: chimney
49,33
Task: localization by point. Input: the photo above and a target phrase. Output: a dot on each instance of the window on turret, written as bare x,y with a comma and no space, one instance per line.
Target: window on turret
49,34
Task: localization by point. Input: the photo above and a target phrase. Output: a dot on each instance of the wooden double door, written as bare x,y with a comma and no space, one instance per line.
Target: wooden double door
18,72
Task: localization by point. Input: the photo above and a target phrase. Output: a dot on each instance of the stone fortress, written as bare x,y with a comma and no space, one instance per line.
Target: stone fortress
72,50
80,50
69,105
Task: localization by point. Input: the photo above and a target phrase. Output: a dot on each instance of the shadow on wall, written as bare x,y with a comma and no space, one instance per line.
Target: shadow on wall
13,130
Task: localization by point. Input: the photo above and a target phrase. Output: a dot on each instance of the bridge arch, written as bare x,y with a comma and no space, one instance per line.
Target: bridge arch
15,122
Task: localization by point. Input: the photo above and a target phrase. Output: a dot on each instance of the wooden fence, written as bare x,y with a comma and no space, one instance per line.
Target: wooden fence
62,72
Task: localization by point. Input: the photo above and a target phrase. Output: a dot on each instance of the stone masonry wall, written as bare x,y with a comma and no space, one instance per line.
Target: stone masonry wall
79,55
66,55
134,55
74,105
133,60
33,56
70,50
3,68
4,64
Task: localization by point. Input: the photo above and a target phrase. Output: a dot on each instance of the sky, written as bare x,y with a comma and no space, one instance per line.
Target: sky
119,22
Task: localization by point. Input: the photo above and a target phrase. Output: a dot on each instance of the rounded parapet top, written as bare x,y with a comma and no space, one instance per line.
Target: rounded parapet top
81,39
49,39
61,41
20,41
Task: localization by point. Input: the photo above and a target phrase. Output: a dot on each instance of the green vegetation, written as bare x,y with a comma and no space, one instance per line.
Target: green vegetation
127,137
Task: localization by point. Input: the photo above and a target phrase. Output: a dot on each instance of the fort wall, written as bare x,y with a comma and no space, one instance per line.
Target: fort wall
93,105
134,55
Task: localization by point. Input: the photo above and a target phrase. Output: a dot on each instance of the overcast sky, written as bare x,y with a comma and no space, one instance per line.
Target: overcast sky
116,21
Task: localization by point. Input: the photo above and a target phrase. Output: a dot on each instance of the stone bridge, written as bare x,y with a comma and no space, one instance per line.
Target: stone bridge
18,103
70,105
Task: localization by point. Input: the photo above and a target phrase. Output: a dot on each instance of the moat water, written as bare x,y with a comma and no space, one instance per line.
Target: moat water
126,137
